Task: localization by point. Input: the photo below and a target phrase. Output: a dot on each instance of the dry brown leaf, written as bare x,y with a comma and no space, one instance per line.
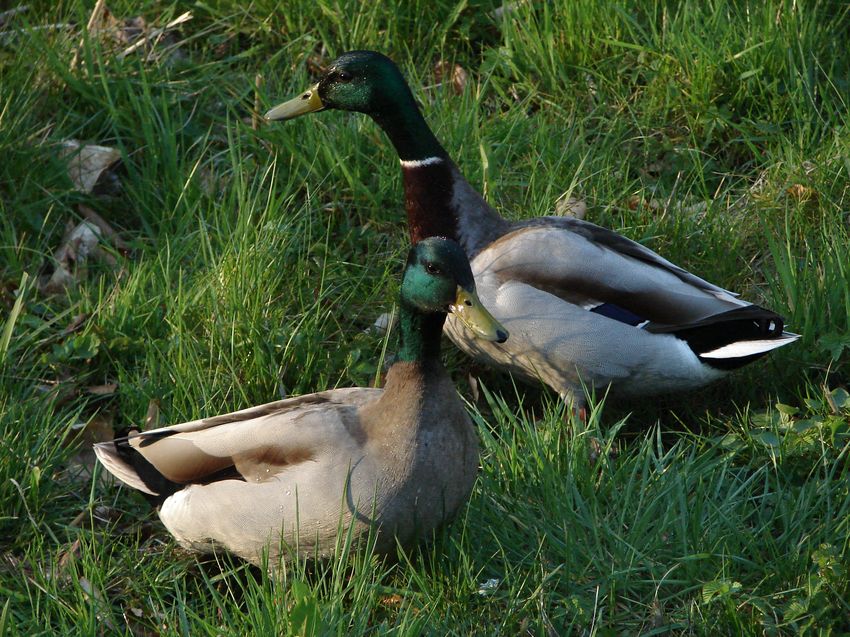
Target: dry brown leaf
802,193
79,243
76,323
152,417
506,9
636,201
105,229
84,435
97,429
455,73
392,601
102,515
87,162
58,393
68,554
131,30
571,207
107,389
96,596
653,169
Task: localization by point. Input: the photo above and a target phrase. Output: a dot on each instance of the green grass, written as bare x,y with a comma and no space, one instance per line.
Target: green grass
259,258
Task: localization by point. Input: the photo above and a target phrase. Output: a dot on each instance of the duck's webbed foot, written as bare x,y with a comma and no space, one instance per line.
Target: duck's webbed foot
576,404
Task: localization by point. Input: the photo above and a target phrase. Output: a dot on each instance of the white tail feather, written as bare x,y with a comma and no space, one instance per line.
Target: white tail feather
748,348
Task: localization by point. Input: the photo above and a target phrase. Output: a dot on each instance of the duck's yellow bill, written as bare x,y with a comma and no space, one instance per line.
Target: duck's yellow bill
308,102
471,313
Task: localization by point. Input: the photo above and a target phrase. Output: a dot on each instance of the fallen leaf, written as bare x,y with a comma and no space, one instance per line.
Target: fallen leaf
506,9
76,323
455,73
152,417
131,30
58,393
381,324
68,554
87,162
636,201
653,169
392,600
96,596
571,207
97,429
489,586
81,464
79,242
106,230
802,193
102,390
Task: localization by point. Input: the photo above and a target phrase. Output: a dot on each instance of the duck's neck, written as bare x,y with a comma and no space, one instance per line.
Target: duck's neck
438,200
420,335
408,131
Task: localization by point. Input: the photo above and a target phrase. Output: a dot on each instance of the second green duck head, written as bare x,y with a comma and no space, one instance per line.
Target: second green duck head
438,279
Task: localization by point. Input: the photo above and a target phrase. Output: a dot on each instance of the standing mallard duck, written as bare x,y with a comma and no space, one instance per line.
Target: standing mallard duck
583,304
296,473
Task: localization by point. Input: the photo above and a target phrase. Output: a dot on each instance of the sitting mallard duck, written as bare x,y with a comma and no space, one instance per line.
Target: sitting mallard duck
584,305
295,474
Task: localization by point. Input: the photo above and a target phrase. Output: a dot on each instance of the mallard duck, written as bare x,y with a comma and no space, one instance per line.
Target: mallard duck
585,306
294,474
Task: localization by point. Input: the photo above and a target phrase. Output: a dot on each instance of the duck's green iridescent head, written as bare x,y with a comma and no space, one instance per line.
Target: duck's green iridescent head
438,279
363,81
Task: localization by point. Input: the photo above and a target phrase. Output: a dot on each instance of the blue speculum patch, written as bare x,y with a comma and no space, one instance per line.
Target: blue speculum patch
618,314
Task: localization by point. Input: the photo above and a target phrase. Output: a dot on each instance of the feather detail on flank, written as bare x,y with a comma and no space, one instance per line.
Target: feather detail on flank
420,163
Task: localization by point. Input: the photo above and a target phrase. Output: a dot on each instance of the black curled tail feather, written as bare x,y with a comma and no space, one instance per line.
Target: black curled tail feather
131,468
748,324
161,486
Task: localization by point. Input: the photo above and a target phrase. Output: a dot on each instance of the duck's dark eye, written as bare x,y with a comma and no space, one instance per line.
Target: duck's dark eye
432,269
344,76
